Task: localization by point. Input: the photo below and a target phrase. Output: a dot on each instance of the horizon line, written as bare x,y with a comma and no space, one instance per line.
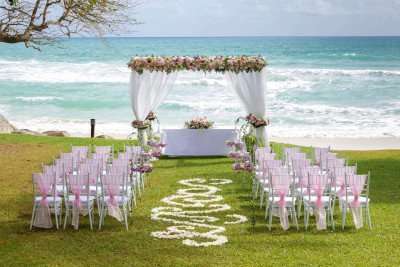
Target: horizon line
249,36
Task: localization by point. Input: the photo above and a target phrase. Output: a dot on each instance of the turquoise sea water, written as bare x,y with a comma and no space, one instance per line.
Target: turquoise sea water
316,86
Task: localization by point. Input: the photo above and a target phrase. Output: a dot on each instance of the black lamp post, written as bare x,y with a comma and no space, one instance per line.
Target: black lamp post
92,124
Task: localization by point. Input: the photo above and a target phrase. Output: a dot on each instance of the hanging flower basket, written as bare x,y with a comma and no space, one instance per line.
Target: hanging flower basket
151,116
142,168
257,122
236,143
157,144
243,166
199,123
155,152
239,155
140,124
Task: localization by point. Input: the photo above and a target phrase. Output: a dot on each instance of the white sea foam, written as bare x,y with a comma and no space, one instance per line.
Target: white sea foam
66,72
38,98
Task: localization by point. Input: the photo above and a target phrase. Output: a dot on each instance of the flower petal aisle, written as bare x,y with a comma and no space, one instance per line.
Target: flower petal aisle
189,210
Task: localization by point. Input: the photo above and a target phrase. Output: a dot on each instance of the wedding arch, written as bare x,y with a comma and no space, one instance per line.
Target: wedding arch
152,79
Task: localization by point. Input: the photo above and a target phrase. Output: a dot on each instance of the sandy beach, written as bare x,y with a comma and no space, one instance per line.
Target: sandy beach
379,143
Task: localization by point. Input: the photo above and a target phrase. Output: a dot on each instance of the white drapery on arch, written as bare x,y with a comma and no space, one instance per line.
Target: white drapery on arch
148,91
249,89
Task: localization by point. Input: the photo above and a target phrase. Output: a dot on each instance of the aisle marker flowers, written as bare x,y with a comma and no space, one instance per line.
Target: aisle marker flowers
243,166
218,64
143,167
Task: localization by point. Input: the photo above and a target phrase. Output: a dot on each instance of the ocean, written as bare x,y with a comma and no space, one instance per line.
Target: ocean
316,86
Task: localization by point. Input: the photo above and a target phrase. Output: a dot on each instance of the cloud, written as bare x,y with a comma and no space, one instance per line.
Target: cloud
315,7
362,8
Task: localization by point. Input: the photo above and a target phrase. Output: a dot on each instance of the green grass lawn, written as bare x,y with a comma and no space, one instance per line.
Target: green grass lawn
247,245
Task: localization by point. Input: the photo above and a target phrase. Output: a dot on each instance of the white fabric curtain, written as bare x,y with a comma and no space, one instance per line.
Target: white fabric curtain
249,89
148,91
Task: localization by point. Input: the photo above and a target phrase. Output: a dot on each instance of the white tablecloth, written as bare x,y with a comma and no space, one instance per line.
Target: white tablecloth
191,142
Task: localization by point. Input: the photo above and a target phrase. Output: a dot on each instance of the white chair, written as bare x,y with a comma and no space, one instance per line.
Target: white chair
75,156
358,201
132,149
94,181
302,185
282,200
115,197
68,164
105,150
320,201
82,150
103,157
121,162
79,199
265,186
44,199
287,151
316,153
338,186
125,155
114,169
262,172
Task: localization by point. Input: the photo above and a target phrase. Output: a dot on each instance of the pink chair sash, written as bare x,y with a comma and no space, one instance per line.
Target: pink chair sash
326,156
319,182
117,169
303,181
121,162
103,156
57,169
298,164
77,184
82,150
112,184
332,163
44,183
320,151
102,149
92,162
125,155
68,164
92,170
356,184
340,173
281,185
268,163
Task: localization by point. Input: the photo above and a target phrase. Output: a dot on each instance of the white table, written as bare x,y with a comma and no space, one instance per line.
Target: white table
191,142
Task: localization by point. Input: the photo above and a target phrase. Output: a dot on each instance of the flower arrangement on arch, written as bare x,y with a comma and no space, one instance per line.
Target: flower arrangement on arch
140,124
239,155
257,122
243,166
199,123
142,168
151,116
218,64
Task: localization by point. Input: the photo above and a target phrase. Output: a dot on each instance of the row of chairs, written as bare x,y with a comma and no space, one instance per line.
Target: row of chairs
81,178
314,186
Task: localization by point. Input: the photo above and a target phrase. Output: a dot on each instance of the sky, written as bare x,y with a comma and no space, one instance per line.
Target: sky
186,18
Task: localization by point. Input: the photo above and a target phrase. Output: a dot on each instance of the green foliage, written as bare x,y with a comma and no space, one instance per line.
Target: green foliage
247,246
